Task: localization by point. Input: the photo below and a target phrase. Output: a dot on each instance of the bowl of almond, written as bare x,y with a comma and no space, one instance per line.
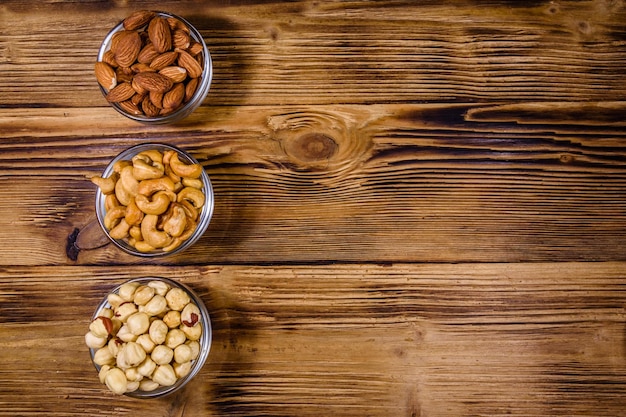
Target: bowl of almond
154,67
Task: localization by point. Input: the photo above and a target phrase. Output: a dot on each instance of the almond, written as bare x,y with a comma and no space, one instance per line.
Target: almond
173,98
147,54
153,81
127,48
194,48
164,60
160,34
190,88
130,107
149,108
181,39
139,67
156,99
105,75
174,73
109,58
138,19
185,60
120,92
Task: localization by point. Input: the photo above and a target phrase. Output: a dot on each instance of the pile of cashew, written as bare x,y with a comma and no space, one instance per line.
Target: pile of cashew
146,338
153,201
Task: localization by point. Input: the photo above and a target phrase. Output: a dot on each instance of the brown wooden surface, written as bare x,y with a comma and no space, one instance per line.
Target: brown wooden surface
420,208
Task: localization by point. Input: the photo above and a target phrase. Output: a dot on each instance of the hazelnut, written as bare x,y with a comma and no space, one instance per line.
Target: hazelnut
161,288
132,374
174,338
115,300
106,312
143,294
164,375
195,348
190,315
182,353
132,386
115,380
133,354
172,319
146,343
115,345
155,306
192,333
124,310
127,290
147,367
103,370
148,385
94,342
103,356
138,323
182,369
158,331
177,299
162,355
101,326
125,335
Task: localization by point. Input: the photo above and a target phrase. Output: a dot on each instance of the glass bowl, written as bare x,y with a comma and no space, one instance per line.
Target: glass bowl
204,341
189,105
204,215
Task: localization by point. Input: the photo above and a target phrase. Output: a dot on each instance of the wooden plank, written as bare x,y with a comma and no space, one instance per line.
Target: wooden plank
338,52
468,339
381,183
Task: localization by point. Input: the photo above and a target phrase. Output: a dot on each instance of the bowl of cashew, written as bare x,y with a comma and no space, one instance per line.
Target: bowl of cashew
154,200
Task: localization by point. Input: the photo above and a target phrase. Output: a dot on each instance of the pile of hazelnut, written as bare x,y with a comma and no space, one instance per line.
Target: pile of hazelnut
147,337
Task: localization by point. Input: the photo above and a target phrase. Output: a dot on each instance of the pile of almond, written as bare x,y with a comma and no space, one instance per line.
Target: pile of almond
153,66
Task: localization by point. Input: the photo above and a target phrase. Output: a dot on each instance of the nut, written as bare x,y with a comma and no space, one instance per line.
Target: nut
190,316
139,351
156,202
153,54
162,355
177,299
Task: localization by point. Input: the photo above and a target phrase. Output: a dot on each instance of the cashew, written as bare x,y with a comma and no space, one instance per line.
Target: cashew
153,155
184,170
176,242
170,174
128,180
122,195
149,187
143,170
110,201
189,229
143,246
195,196
193,182
106,185
134,215
157,205
120,165
176,220
151,235
190,211
113,216
135,232
120,231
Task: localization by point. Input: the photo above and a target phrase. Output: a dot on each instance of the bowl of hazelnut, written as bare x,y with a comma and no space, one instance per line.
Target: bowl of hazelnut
153,200
149,337
154,67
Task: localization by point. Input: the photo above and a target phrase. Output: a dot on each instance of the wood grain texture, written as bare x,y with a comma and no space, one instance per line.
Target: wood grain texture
404,340
339,52
382,183
420,208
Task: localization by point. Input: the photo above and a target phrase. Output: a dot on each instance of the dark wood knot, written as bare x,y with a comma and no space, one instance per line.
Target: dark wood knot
312,147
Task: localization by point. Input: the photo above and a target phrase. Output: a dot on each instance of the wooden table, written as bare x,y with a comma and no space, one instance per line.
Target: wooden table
420,208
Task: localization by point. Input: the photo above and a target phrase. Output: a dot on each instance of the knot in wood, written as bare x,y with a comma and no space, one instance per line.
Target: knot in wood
312,147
